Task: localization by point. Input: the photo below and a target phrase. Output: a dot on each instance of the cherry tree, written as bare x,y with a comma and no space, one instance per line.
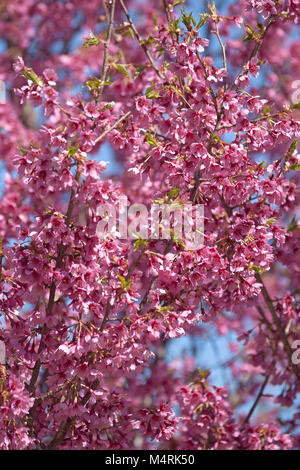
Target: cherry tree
199,107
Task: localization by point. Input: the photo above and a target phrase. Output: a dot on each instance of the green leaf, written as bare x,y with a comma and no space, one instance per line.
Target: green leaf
215,137
138,70
261,165
203,19
188,20
268,109
150,40
295,167
257,269
91,40
152,93
293,146
174,26
249,238
178,2
165,308
203,373
271,221
292,225
23,151
251,34
72,151
139,243
95,83
122,68
151,140
174,192
31,75
178,241
126,283
295,106
212,8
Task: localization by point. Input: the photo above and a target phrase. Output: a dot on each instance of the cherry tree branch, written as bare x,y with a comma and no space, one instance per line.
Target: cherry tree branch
106,47
255,50
138,37
256,402
280,330
59,259
222,45
167,11
112,127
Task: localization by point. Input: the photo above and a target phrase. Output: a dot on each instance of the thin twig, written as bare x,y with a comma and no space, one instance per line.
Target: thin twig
141,42
166,7
112,127
217,33
106,49
278,325
255,49
260,394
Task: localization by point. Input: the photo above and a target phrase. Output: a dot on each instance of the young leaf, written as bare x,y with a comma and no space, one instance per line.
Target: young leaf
151,140
122,68
151,93
91,40
126,283
292,225
31,75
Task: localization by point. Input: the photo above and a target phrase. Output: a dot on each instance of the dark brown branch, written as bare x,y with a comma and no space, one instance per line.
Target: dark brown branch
166,8
260,394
